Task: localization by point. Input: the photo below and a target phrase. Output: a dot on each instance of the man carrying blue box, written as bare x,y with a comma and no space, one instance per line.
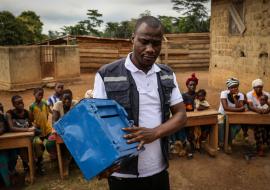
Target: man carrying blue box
149,93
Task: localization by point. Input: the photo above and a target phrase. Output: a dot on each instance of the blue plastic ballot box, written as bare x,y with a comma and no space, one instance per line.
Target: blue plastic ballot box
92,132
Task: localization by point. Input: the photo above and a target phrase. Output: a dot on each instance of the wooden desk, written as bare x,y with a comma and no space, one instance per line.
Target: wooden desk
19,140
63,165
247,117
205,117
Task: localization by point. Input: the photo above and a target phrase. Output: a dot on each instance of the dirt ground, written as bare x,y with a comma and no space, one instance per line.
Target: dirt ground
202,172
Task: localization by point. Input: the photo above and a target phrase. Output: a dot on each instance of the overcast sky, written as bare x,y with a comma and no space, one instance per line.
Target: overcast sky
56,13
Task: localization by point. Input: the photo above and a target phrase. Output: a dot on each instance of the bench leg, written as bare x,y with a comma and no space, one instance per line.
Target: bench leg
213,141
31,162
60,161
214,137
226,138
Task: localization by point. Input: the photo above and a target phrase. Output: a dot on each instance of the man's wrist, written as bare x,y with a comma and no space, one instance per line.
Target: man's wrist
158,132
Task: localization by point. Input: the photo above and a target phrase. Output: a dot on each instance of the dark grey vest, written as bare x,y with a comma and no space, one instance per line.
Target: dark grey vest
120,86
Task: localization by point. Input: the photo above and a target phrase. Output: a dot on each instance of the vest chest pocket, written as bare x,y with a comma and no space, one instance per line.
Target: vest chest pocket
167,86
119,91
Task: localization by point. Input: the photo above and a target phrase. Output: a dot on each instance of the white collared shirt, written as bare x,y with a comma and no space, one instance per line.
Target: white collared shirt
151,159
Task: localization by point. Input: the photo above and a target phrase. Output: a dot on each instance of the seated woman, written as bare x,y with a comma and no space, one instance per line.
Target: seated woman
233,101
258,101
185,136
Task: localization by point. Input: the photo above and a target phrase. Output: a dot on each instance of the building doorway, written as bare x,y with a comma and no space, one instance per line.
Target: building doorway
47,54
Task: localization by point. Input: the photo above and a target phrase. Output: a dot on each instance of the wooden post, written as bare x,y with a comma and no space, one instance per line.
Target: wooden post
166,51
227,131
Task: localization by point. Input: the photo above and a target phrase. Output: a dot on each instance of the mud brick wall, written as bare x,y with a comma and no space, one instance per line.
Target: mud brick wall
245,56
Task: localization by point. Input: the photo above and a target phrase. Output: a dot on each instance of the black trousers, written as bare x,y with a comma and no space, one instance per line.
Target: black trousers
158,181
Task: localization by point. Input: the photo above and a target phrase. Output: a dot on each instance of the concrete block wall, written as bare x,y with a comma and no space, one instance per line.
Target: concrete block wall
4,68
68,62
20,66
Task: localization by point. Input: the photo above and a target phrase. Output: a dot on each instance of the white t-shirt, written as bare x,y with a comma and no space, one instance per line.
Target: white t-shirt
224,95
58,106
150,160
252,97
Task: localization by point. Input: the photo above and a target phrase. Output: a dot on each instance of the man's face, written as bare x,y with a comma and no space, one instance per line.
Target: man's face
258,89
59,88
18,104
146,46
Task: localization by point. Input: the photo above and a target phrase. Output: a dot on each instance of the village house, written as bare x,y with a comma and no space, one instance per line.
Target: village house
240,42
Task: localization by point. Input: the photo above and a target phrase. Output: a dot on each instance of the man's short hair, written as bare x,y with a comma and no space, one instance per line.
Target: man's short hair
151,21
67,91
59,84
15,97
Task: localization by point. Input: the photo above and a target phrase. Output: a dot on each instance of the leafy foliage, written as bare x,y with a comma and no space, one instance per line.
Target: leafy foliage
33,25
24,29
86,27
27,27
196,18
191,7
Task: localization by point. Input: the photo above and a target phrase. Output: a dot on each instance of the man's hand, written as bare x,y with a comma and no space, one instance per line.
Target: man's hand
108,172
140,134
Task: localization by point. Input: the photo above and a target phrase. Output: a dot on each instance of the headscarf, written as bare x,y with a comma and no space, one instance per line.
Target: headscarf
257,82
192,78
232,82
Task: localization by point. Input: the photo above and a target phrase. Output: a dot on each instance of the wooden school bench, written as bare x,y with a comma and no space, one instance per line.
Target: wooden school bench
19,140
247,117
62,161
206,117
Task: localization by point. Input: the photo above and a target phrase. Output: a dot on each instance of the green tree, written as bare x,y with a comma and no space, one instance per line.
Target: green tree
196,16
191,7
93,22
12,30
34,26
78,29
145,13
53,34
111,29
125,29
85,27
168,23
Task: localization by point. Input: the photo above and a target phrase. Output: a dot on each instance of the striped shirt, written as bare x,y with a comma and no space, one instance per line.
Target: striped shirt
52,100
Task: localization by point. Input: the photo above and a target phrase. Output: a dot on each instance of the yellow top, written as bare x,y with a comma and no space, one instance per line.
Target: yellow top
40,113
